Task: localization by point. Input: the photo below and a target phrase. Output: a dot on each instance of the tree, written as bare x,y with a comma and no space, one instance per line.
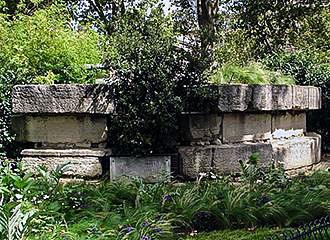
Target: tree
12,8
101,13
274,23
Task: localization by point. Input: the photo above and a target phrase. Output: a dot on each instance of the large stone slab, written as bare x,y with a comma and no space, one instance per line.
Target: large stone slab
267,97
61,130
149,168
300,97
221,159
314,98
240,127
78,162
200,127
261,98
63,98
195,160
234,97
282,97
288,124
297,152
226,157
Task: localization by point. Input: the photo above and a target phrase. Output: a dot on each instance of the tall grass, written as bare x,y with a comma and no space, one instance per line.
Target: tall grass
253,73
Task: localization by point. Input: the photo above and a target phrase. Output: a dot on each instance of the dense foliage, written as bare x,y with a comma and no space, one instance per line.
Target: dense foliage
149,75
44,48
42,208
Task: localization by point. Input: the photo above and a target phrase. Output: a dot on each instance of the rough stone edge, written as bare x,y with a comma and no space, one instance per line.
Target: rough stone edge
83,93
67,152
254,98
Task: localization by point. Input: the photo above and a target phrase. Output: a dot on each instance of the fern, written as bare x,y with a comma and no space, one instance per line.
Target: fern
14,226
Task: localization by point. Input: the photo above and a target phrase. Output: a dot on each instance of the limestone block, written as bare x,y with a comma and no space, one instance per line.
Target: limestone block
286,124
297,152
195,160
300,97
314,97
234,98
226,157
261,97
60,129
149,168
316,145
63,98
81,162
239,127
282,97
196,127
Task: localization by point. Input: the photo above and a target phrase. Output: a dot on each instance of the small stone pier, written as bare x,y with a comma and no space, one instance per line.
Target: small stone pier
68,123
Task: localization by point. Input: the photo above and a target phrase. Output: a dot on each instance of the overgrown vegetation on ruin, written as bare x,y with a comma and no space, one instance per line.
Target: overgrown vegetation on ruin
155,60
163,56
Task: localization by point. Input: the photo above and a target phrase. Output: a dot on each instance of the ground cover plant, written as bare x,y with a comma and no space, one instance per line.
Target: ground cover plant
43,208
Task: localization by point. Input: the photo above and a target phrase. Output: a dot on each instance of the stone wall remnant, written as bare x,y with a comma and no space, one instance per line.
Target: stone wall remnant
69,124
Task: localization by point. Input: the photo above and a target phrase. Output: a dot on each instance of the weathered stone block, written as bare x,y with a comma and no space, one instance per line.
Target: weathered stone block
196,127
63,98
195,159
72,130
300,97
314,101
240,127
282,97
234,98
261,97
285,124
297,152
149,168
317,156
226,157
80,162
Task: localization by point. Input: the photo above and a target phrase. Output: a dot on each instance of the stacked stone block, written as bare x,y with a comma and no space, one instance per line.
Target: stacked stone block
68,124
267,119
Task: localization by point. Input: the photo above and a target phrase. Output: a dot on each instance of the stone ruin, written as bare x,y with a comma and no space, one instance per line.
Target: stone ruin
68,124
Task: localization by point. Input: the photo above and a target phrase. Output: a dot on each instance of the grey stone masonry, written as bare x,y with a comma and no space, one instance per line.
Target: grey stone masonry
150,168
232,98
69,124
78,162
63,98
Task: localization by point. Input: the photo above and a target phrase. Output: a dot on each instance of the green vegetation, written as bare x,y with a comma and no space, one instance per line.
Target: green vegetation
253,234
154,76
42,208
45,49
254,73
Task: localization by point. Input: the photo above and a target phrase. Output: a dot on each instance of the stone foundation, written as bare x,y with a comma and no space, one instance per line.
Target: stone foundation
85,163
68,124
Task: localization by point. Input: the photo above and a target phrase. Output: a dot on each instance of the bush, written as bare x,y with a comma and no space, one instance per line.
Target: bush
44,48
142,52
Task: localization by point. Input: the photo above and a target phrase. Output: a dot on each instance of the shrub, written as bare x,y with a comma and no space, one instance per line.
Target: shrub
142,52
43,47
